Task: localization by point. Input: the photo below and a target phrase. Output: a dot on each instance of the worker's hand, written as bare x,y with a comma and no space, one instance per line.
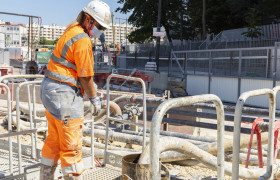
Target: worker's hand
96,102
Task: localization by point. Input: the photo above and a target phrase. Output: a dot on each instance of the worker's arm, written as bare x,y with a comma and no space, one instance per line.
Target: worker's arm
88,86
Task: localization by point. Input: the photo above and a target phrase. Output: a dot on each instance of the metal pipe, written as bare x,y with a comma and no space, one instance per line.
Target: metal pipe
18,119
21,76
23,132
174,134
237,126
31,121
204,115
178,102
144,108
227,108
35,122
92,135
200,124
114,136
18,129
102,146
9,126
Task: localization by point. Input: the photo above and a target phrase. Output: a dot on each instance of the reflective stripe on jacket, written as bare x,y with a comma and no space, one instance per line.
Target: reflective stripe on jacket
63,63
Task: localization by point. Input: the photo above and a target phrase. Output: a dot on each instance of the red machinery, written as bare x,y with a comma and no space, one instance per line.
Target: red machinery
100,78
258,126
5,70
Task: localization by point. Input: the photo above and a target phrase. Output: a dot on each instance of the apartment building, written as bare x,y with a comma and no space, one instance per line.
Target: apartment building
15,35
121,30
50,32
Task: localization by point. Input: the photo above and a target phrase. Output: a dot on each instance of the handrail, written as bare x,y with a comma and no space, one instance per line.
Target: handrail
237,125
179,102
108,110
9,125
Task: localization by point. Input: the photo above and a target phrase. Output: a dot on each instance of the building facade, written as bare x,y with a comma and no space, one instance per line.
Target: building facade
120,33
50,32
15,35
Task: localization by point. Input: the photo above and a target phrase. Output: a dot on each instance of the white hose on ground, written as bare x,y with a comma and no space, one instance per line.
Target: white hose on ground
87,142
184,147
24,125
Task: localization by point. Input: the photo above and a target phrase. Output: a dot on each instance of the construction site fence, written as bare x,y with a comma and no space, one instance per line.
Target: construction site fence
256,62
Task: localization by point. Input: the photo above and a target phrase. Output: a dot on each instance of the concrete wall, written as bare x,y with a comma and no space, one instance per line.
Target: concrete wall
160,81
226,88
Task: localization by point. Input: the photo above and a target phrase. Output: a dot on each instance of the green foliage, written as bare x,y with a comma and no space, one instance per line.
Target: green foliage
253,20
44,41
145,14
220,15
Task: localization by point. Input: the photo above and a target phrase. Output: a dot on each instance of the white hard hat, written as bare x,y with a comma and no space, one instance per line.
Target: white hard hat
100,11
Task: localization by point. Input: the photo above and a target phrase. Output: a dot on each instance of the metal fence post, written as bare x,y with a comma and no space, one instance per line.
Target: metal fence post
186,70
275,65
239,73
210,72
135,61
169,63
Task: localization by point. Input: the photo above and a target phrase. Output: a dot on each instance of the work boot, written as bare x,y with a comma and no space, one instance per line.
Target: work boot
71,177
47,172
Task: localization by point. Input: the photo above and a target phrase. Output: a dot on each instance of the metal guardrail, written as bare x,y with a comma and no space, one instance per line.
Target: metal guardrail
237,126
9,126
179,102
108,118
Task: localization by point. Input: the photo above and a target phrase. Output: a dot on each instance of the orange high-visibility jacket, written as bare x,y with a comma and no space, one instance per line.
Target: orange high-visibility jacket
72,57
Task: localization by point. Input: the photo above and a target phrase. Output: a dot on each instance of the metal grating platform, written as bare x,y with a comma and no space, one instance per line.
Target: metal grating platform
99,173
31,167
4,163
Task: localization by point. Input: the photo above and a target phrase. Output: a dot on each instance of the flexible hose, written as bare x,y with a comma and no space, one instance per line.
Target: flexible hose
176,144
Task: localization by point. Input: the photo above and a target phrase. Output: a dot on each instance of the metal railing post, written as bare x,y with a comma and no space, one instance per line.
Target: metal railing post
210,70
237,125
34,124
179,102
239,73
9,126
92,136
108,110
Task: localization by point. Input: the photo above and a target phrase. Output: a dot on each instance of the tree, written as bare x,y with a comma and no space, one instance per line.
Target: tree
253,20
218,16
144,16
42,41
55,41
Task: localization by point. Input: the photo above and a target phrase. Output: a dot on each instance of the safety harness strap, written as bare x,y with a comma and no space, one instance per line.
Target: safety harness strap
62,78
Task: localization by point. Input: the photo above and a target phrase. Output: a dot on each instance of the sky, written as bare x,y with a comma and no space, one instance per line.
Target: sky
60,12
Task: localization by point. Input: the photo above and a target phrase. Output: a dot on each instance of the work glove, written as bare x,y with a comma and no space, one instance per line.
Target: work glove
96,102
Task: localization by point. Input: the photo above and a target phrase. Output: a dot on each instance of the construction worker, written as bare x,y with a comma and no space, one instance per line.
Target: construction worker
68,76
118,48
